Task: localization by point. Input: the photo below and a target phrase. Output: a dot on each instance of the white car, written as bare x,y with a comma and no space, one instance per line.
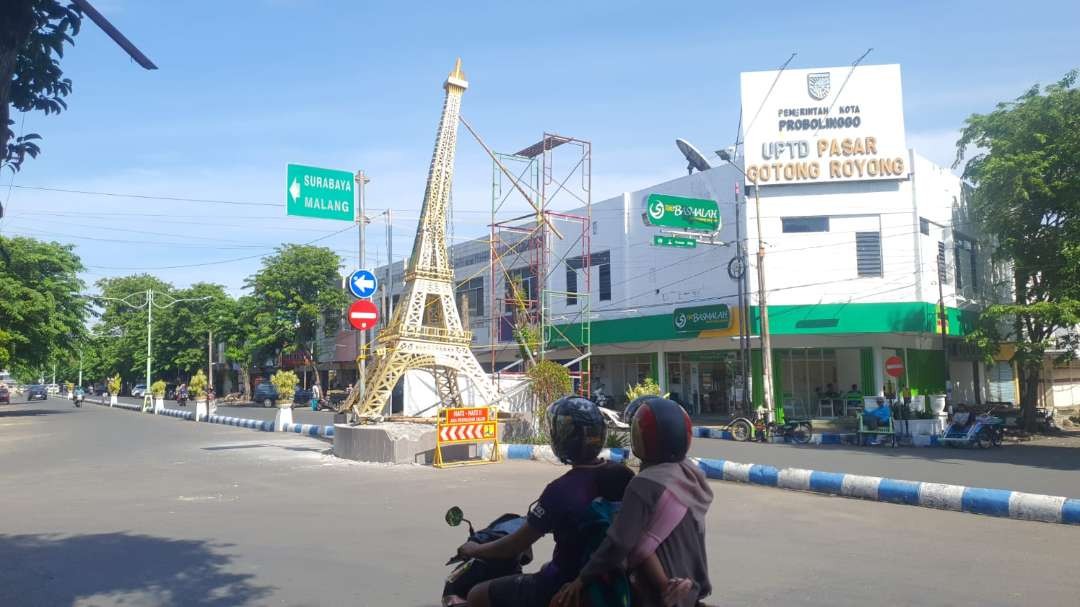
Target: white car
138,390
53,388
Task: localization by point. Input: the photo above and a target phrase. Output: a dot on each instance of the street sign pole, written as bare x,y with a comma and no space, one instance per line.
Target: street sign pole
361,344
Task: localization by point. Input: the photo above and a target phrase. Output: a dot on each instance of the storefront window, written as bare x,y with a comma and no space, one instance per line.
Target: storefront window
810,380
706,383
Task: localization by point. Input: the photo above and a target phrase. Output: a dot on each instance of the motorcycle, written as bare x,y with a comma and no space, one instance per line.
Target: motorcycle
77,397
472,571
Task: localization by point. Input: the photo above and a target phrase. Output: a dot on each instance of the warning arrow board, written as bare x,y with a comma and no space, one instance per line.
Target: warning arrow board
467,433
458,425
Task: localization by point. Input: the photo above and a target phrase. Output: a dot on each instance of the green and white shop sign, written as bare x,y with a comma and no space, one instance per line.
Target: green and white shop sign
701,318
664,211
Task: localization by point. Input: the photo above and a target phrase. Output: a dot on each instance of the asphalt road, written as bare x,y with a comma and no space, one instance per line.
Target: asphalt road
103,506
1049,465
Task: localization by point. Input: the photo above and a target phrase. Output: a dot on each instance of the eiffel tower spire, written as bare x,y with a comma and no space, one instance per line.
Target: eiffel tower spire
426,330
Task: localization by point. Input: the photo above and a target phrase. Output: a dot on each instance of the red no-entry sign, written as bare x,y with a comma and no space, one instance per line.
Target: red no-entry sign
894,366
363,314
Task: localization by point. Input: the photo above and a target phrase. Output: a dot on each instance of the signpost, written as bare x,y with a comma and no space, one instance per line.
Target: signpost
464,425
674,241
701,318
363,314
894,366
322,193
363,284
664,211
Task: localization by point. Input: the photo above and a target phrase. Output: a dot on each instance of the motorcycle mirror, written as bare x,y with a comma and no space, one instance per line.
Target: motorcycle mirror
454,516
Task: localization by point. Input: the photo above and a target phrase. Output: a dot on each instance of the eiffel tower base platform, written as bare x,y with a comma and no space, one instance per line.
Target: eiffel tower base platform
394,443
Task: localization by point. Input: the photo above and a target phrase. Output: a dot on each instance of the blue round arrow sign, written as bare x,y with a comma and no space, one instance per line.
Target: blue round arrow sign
363,283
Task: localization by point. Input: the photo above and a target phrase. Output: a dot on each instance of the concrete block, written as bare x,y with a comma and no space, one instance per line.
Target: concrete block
391,443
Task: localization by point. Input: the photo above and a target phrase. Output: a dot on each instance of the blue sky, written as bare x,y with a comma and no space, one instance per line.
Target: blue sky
247,86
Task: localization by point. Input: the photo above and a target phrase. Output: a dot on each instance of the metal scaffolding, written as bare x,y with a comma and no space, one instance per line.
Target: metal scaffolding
533,246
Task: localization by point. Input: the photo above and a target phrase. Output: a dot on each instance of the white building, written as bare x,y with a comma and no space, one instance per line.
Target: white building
855,226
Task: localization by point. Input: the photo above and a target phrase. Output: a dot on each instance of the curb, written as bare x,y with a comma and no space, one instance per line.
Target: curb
240,422
973,500
544,453
308,429
823,438
178,413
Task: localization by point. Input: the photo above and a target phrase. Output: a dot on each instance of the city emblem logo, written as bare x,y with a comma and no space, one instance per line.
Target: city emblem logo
818,85
680,320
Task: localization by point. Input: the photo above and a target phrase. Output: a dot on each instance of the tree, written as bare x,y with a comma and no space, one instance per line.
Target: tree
32,38
238,331
41,311
293,289
180,346
1027,197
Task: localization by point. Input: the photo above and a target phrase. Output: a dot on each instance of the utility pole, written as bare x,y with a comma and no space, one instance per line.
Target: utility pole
763,306
389,266
943,318
361,347
210,358
149,328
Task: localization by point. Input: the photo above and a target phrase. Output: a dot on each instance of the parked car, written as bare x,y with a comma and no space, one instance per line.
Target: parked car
53,388
302,396
37,392
5,396
266,394
138,390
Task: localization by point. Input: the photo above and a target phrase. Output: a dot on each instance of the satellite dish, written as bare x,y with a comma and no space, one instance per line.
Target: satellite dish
694,159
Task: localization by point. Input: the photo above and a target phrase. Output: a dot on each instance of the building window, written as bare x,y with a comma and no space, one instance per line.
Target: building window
868,253
924,225
964,259
805,224
942,270
605,282
595,228
472,291
523,277
571,286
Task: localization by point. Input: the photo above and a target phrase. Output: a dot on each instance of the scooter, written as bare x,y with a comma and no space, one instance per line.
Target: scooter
472,571
77,397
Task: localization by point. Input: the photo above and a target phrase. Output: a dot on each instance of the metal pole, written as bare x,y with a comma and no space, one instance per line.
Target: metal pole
763,306
361,348
210,358
943,319
744,327
389,265
149,329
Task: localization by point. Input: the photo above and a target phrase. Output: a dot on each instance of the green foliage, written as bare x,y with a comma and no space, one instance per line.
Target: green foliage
120,342
198,384
158,389
181,338
646,387
285,382
114,385
1027,199
617,440
549,381
36,32
294,287
41,313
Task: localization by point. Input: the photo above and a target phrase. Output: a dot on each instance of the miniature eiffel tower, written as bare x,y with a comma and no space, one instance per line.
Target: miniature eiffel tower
425,331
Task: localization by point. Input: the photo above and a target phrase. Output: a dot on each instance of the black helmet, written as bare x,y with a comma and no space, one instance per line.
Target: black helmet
660,431
577,430
631,409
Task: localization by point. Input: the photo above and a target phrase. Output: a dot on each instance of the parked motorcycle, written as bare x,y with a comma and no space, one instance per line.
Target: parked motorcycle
472,571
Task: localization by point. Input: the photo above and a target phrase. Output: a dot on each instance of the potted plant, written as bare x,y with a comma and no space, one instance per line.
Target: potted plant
114,389
157,390
285,382
197,386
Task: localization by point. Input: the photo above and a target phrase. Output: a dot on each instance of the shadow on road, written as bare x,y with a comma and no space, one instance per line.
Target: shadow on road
120,568
31,412
261,445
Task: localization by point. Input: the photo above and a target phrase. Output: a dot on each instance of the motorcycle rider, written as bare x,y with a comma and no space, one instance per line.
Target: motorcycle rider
663,513
577,433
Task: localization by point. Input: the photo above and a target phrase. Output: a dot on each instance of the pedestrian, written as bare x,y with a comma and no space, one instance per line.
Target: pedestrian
316,395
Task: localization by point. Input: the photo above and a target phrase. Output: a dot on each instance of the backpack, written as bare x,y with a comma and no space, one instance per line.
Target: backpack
613,588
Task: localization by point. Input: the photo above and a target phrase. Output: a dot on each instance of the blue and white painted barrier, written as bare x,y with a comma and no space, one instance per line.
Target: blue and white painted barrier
309,429
241,422
129,407
975,500
544,453
178,413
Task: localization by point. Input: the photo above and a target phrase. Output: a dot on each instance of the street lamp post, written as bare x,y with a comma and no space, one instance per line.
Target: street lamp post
149,303
763,307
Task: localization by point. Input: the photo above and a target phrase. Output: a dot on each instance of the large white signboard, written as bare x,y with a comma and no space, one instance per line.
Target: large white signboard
824,125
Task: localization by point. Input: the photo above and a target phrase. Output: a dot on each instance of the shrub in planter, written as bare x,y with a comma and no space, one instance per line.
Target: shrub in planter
114,385
157,389
548,381
285,382
197,385
646,387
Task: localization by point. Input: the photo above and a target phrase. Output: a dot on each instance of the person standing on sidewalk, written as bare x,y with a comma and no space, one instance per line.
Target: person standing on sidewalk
316,396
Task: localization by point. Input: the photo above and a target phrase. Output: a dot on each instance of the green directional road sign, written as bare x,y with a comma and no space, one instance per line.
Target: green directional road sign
674,241
322,193
666,211
701,318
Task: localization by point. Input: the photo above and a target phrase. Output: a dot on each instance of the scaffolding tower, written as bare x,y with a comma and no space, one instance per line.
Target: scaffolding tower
534,246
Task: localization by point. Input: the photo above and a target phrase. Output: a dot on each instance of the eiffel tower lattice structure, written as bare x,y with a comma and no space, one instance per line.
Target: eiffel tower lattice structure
425,331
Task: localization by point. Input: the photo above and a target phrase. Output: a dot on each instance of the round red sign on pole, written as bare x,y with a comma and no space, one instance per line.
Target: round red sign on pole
363,314
894,366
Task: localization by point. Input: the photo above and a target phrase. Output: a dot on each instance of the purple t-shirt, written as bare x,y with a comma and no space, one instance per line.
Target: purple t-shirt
559,511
